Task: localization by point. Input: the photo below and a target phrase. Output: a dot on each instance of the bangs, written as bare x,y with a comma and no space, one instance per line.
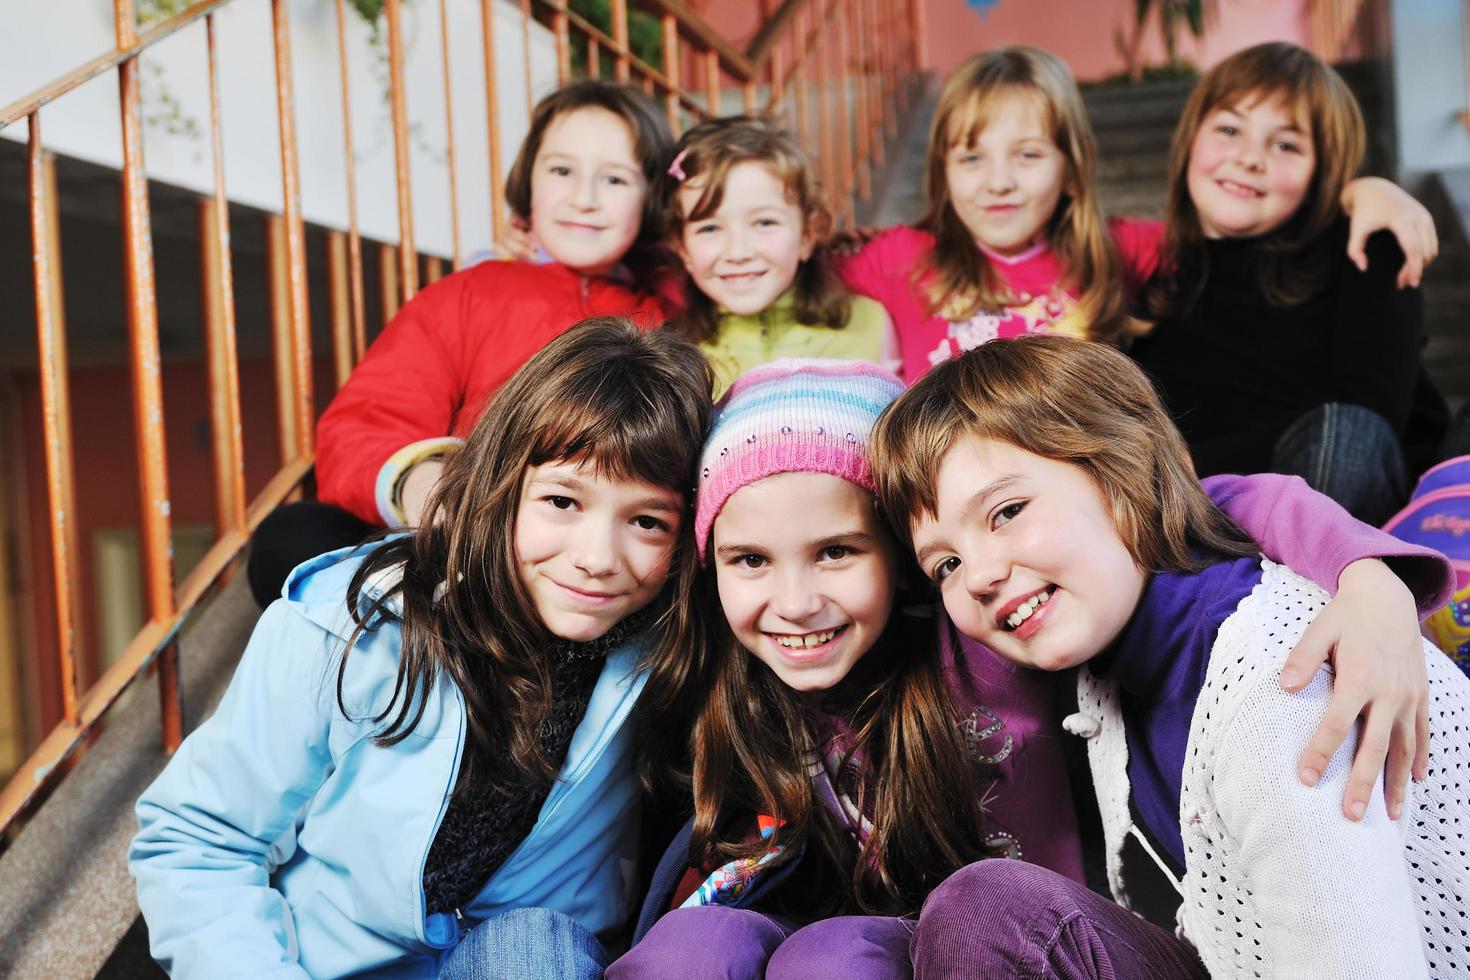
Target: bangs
1295,95
969,118
620,433
712,195
909,443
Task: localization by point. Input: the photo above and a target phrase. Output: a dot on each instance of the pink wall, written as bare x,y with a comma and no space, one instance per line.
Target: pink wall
1082,31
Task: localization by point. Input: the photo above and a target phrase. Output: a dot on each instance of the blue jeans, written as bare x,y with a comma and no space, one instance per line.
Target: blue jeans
526,944
1351,454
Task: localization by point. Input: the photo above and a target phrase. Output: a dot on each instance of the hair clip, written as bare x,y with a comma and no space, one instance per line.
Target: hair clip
676,169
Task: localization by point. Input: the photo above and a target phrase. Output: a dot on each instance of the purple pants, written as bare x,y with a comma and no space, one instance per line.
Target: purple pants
996,918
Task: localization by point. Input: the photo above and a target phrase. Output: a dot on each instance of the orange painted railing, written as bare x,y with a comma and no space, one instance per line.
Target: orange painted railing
833,69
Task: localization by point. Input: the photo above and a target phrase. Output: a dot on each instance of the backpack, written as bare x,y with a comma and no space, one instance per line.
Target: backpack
1438,516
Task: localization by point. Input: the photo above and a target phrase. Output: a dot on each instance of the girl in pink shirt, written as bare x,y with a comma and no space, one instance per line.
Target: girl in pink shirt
1014,242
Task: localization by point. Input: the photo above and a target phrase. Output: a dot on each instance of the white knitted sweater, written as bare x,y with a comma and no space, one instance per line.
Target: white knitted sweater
1278,883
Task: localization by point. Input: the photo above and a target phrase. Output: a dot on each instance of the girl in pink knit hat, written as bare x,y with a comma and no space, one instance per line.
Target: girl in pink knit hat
886,758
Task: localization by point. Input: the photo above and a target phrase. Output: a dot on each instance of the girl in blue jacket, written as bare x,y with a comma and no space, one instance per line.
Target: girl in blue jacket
422,766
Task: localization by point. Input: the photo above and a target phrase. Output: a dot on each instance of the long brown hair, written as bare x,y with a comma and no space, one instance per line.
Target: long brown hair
755,749
705,154
961,280
1068,400
652,139
1316,92
631,404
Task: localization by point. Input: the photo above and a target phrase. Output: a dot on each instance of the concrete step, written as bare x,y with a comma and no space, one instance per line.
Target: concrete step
66,899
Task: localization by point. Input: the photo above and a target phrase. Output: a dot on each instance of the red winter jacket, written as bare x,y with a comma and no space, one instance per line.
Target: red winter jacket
433,368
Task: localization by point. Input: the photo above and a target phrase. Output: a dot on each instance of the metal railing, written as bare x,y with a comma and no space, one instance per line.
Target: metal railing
834,69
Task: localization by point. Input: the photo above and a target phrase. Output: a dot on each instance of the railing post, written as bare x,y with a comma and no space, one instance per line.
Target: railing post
278,279
860,100
526,54
671,70
295,232
55,411
354,239
560,31
712,82
619,12
407,256
492,122
449,136
218,289
142,300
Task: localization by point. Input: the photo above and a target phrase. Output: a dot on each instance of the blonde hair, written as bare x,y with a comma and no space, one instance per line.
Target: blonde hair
963,281
1068,400
1308,87
706,153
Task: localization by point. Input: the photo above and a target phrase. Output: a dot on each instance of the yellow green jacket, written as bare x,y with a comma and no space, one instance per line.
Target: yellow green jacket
744,342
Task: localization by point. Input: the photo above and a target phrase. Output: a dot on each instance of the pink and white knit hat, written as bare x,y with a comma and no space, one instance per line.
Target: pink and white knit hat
795,415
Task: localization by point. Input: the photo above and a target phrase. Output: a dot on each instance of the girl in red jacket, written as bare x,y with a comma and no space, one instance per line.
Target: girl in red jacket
582,184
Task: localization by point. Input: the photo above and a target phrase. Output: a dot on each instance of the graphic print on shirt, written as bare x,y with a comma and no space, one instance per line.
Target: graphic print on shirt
989,744
1047,313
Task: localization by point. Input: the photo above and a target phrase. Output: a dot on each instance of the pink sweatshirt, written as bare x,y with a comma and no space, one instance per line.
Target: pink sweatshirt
887,269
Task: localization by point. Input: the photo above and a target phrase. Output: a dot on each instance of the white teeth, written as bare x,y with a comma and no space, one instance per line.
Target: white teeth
805,640
1024,610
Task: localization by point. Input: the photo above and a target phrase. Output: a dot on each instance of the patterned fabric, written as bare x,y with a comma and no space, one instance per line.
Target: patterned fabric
483,822
791,416
740,882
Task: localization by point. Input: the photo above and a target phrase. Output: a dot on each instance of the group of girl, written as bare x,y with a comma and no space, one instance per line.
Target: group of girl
427,761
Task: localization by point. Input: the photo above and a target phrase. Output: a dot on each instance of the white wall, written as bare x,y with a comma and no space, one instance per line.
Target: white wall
45,39
1430,84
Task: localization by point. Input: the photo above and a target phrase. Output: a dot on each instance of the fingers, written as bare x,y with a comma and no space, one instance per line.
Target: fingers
1368,763
1310,652
1401,752
1420,243
1357,238
1421,741
1411,272
1337,724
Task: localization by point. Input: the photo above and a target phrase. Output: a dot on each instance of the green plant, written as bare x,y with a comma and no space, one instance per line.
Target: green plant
1173,17
645,34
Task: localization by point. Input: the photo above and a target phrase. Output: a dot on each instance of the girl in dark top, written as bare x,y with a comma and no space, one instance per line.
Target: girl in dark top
1272,350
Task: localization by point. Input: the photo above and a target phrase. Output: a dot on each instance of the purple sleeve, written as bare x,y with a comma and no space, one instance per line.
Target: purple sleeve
1312,535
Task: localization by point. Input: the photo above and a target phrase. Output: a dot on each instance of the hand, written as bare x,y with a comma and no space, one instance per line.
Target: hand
1370,632
519,243
1374,204
416,487
849,241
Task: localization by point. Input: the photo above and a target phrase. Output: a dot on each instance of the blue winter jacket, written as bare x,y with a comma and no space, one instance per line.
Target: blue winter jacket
281,841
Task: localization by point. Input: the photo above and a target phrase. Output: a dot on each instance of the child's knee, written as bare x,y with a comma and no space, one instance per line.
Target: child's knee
846,946
992,903
706,942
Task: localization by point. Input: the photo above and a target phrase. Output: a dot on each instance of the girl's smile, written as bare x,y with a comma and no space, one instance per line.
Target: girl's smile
587,190
745,254
1026,556
806,574
1006,184
592,550
1250,167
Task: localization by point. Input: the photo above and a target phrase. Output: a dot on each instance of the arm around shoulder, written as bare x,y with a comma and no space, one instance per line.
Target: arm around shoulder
225,812
1332,897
